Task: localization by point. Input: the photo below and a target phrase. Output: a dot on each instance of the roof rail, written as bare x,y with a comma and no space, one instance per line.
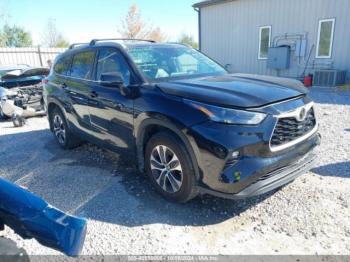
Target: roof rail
178,43
76,44
93,42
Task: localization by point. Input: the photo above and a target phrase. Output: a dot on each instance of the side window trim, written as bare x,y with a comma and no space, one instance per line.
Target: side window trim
98,51
94,71
70,58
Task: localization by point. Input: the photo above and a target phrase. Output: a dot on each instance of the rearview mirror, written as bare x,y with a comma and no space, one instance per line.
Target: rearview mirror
113,79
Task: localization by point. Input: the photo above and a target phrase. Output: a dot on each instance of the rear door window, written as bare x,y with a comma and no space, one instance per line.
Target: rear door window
82,65
62,65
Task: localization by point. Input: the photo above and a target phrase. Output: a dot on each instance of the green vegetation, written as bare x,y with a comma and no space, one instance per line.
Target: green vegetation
14,36
188,40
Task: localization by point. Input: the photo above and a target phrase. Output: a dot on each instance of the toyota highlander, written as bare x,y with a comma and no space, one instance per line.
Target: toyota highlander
192,127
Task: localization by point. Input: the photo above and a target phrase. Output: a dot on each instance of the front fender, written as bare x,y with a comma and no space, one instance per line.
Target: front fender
145,120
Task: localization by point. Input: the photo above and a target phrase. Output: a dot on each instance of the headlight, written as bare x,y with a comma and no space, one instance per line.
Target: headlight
228,115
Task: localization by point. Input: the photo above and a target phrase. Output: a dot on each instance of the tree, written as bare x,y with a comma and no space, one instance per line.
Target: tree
188,40
133,26
52,37
4,12
157,35
14,36
61,42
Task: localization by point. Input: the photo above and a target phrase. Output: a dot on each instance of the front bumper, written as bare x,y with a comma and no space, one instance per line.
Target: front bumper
257,169
270,181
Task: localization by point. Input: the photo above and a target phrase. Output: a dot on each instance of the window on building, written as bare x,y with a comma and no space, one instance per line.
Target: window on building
82,65
325,38
264,41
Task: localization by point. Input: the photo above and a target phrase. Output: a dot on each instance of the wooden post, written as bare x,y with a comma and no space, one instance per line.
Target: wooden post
40,58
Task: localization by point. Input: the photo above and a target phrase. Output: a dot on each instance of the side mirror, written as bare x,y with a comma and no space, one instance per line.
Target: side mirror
228,68
125,91
113,79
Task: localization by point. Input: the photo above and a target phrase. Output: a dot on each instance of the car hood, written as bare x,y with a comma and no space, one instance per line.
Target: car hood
23,73
235,90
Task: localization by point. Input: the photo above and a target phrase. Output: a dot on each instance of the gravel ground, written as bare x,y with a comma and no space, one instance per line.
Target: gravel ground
309,216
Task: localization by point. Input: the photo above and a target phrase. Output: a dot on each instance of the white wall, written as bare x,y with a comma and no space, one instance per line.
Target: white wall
28,56
230,31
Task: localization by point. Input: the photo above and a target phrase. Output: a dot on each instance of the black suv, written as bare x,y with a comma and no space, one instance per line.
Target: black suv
191,126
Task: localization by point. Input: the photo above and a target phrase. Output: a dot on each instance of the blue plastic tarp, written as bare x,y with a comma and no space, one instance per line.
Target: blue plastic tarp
31,217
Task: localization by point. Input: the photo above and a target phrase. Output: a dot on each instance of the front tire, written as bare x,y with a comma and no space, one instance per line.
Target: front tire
63,135
169,168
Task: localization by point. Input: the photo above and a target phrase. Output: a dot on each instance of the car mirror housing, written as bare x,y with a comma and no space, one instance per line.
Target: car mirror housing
125,91
113,79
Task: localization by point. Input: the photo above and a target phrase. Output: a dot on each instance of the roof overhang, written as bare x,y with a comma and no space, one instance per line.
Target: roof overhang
210,2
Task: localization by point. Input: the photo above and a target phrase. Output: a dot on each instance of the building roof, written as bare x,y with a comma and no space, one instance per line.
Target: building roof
209,2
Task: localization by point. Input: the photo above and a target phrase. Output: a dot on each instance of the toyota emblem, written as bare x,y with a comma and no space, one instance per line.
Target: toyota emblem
302,115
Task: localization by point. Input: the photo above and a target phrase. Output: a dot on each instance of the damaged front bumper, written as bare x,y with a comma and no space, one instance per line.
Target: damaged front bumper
272,180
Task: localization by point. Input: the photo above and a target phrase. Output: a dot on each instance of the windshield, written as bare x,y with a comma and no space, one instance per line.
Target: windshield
161,62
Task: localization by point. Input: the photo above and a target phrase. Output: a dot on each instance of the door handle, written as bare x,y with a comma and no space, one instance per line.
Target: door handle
93,94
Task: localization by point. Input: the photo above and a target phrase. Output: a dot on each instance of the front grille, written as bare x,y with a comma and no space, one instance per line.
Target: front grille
289,128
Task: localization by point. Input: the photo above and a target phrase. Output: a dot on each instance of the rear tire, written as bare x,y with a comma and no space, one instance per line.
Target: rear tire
63,135
169,168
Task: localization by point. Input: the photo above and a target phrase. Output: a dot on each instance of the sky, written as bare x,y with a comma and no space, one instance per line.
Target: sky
83,20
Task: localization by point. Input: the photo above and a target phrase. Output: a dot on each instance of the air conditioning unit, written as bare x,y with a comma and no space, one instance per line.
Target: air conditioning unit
328,77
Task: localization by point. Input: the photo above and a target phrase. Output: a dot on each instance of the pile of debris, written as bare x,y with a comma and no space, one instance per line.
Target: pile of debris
21,93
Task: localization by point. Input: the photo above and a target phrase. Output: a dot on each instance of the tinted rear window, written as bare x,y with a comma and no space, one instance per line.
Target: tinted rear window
62,65
82,65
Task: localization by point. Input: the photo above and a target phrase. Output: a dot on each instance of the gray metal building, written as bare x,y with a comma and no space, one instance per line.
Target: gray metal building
278,37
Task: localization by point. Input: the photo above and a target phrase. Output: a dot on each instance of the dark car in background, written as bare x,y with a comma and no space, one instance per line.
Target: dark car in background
193,128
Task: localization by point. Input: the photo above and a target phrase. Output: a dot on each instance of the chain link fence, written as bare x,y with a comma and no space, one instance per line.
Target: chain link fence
32,56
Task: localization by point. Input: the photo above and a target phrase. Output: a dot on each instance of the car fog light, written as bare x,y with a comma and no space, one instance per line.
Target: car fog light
235,154
237,176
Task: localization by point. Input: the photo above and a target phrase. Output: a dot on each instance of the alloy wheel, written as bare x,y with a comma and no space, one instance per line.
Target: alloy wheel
166,169
59,130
